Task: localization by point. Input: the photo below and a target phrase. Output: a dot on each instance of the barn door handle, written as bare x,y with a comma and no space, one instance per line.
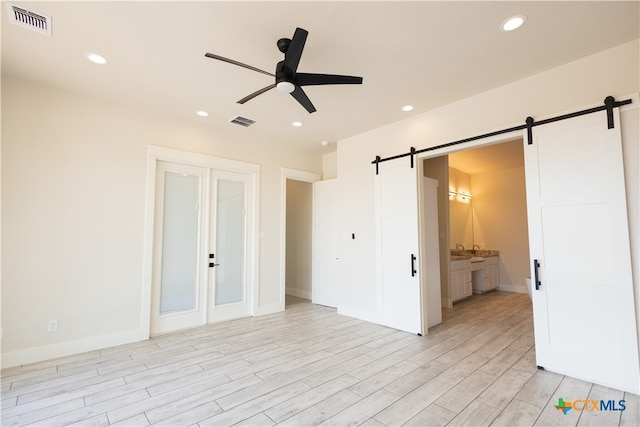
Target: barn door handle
413,265
536,265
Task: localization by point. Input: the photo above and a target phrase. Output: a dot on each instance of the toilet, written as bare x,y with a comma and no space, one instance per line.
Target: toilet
527,281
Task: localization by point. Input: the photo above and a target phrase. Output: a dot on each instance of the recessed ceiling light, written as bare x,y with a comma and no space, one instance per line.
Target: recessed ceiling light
407,108
296,124
324,143
202,113
95,58
513,23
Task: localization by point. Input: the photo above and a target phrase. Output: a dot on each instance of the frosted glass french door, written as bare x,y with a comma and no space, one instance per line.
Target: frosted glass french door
201,247
228,259
179,276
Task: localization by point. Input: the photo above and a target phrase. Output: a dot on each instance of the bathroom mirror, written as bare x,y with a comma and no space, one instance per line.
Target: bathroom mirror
461,224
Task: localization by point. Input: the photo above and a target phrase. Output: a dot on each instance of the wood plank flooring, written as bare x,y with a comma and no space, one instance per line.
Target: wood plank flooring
310,366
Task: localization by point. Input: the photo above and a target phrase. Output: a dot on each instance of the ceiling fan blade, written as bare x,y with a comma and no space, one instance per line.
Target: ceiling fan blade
294,52
306,79
303,99
239,64
256,93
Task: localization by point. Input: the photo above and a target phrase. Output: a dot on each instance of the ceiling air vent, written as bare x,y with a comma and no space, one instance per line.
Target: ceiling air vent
27,19
242,121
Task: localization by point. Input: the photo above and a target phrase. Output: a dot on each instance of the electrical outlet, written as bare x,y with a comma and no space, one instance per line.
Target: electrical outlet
53,326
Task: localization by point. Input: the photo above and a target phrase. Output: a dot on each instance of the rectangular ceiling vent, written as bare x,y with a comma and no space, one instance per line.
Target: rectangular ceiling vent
27,19
242,121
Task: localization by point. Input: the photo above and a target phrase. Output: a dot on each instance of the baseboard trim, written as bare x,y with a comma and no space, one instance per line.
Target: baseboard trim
300,293
69,348
521,289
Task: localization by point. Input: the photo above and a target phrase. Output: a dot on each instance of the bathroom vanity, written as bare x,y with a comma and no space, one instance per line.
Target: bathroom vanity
485,275
460,282
471,272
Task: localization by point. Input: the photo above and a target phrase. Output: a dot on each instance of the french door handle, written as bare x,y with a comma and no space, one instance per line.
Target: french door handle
536,265
413,265
212,264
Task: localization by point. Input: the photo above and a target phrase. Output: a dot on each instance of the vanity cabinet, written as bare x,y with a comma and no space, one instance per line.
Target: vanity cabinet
487,276
460,280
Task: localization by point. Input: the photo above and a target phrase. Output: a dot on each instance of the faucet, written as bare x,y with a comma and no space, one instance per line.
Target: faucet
459,247
474,248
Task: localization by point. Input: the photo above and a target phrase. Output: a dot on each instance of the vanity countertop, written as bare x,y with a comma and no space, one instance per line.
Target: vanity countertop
468,254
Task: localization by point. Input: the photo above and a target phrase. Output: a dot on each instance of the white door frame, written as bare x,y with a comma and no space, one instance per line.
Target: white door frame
296,175
155,154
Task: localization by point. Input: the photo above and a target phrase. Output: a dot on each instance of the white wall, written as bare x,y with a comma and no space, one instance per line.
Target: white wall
581,83
500,222
330,165
73,210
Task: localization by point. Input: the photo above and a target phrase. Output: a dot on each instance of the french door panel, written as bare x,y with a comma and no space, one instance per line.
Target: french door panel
179,278
584,314
230,293
399,298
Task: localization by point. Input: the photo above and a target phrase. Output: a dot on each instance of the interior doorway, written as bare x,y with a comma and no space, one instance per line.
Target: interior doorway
296,257
298,277
492,175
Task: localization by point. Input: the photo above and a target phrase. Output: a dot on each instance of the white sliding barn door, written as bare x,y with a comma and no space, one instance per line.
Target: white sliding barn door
584,314
397,242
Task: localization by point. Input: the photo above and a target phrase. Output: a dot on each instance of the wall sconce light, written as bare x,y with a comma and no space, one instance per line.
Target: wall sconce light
460,196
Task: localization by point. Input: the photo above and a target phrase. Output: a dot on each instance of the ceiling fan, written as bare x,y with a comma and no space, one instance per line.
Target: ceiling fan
287,78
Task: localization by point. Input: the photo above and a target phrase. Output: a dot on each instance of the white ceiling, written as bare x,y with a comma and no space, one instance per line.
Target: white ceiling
422,53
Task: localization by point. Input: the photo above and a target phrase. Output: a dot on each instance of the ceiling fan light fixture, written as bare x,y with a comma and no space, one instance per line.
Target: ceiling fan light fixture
285,87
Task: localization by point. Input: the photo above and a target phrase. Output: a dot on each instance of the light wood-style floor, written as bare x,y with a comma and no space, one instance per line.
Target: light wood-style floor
310,366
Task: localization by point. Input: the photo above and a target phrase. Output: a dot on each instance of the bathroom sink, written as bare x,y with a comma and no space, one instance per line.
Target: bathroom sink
476,259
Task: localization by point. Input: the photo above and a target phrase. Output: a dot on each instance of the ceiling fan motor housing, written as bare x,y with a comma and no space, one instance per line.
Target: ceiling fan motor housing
283,45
